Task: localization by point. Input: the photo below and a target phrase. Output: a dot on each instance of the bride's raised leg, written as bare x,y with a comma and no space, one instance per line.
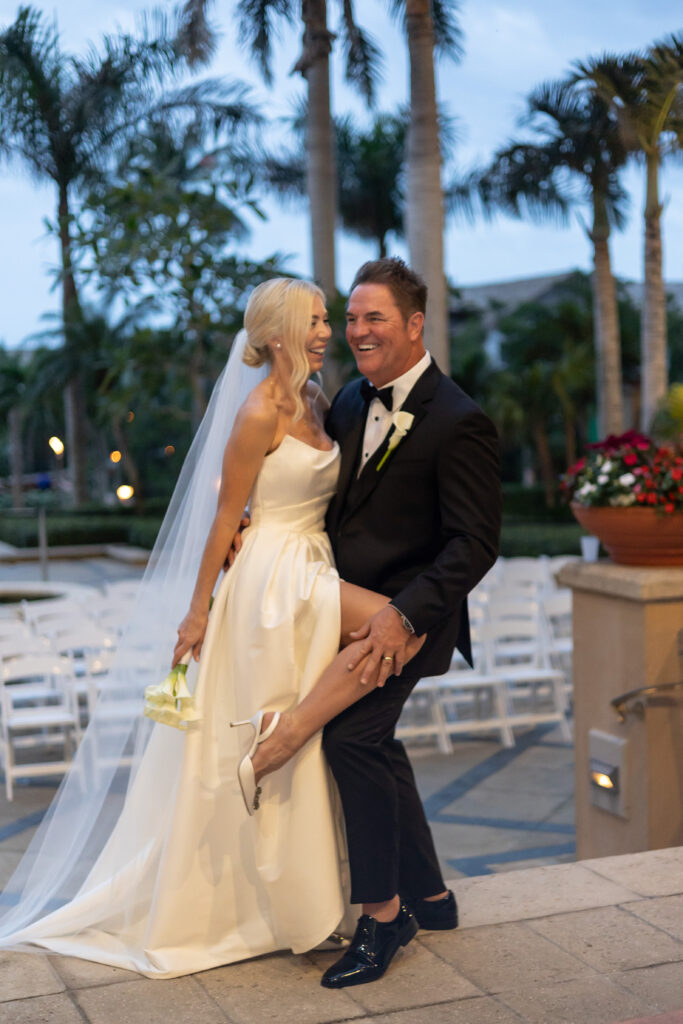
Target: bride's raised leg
337,688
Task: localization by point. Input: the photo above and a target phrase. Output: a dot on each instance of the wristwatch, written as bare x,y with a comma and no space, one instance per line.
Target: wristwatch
407,624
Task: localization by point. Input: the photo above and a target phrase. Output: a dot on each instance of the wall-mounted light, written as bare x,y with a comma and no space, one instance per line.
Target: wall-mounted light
604,776
607,771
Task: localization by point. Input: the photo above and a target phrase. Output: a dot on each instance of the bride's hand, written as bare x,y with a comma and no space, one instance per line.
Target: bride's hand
190,635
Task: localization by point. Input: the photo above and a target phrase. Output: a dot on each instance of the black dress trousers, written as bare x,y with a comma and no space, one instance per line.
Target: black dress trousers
390,845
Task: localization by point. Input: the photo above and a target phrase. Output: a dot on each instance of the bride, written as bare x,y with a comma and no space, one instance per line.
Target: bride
151,857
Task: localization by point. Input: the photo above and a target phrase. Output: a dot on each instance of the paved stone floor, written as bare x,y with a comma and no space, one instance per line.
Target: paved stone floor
542,939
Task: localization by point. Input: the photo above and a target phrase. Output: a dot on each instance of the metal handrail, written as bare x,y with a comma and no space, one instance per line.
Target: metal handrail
620,704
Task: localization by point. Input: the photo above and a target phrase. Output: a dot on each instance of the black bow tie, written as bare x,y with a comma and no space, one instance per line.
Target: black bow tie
385,395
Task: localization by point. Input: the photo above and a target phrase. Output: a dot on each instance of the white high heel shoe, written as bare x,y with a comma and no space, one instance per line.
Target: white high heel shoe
245,771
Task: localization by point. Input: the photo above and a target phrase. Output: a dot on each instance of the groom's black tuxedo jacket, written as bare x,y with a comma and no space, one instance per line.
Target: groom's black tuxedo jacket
424,528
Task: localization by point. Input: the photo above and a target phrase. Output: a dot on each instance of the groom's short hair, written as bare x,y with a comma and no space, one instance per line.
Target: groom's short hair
407,288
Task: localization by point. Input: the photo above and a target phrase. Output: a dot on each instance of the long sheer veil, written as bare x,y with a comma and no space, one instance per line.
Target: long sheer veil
88,803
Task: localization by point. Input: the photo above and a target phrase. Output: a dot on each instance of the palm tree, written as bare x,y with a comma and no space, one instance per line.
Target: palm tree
370,170
647,94
14,407
62,117
429,25
575,138
255,28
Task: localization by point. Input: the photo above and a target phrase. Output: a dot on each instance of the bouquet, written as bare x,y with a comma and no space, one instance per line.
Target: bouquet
624,471
170,702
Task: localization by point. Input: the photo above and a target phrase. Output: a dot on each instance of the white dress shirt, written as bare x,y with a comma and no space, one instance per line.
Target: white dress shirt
378,423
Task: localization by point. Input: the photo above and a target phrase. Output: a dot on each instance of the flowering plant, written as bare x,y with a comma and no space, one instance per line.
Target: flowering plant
402,422
627,470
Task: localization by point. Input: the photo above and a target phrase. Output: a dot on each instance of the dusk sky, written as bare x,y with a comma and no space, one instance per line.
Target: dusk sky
510,47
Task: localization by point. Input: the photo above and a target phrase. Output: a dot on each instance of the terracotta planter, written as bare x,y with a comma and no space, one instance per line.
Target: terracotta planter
635,536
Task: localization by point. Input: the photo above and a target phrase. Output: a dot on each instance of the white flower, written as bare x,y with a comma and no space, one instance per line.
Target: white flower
602,478
606,466
627,479
587,488
402,422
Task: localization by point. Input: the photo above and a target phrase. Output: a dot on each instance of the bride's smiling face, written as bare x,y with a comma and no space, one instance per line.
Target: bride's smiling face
318,335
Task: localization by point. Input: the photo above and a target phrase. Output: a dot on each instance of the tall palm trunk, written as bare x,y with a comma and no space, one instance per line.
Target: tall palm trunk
607,340
653,340
321,173
424,213
74,396
540,435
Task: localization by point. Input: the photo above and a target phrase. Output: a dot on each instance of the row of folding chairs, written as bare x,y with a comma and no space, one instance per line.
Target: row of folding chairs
522,643
54,661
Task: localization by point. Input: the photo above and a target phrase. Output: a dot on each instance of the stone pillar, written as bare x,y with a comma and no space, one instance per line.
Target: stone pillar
626,622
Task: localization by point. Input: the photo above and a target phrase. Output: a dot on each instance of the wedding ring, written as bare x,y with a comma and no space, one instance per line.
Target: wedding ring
387,657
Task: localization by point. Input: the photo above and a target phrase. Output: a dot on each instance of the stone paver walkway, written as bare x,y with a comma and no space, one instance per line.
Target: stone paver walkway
597,942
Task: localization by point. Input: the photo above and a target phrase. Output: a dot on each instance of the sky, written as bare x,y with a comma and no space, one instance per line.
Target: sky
511,46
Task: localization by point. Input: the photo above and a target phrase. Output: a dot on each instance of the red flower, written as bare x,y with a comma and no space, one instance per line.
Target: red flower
652,499
669,507
677,474
630,459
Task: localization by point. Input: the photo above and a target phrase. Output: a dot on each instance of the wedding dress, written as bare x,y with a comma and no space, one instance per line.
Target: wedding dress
187,880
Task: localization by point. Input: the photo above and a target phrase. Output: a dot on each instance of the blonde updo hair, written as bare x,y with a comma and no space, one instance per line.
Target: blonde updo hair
281,309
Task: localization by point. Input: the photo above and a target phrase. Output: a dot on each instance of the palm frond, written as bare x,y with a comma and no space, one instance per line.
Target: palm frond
255,28
195,36
363,58
32,82
448,36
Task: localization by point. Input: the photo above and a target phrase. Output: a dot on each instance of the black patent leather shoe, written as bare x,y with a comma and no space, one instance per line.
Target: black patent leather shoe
372,949
435,915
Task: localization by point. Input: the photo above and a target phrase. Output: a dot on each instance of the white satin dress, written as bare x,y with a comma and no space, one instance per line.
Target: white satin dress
187,880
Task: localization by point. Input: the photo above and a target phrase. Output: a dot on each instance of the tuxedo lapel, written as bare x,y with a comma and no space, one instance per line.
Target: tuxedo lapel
350,450
358,489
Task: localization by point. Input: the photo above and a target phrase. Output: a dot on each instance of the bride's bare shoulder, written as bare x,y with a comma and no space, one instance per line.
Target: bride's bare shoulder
259,411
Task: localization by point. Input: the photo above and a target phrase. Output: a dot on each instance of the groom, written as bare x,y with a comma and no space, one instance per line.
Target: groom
417,518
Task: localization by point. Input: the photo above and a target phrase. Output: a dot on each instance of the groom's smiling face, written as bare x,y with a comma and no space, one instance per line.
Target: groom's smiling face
383,343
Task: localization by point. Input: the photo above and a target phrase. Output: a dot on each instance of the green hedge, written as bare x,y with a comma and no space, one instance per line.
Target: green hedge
65,529
527,504
529,538
533,539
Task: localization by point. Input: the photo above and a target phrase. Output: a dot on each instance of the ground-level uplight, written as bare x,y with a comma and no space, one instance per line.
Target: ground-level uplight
125,492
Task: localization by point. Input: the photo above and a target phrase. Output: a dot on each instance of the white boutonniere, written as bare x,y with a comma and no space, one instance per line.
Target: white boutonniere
402,422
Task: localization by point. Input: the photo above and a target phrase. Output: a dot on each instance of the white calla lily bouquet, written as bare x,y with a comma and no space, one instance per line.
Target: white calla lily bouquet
170,702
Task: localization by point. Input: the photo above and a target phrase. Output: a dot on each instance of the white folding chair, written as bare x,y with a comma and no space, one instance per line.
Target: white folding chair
530,573
557,619
37,711
516,652
81,646
23,646
460,702
12,629
122,590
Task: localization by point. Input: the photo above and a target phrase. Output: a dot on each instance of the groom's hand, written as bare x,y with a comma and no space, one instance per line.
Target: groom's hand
385,645
236,545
